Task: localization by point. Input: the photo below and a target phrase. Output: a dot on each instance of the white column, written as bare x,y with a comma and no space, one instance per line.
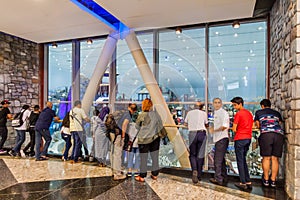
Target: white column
99,71
158,100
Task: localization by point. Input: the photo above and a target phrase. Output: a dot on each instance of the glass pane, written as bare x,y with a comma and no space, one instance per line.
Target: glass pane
60,82
129,80
237,65
60,77
89,55
182,65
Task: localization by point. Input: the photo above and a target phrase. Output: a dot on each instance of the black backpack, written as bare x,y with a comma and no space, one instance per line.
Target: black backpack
112,123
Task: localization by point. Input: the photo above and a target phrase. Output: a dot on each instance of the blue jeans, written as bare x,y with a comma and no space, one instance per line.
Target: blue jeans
77,135
45,133
134,153
67,139
241,148
20,139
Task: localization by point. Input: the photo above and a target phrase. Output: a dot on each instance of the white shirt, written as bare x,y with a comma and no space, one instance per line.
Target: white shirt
221,118
196,120
76,117
25,118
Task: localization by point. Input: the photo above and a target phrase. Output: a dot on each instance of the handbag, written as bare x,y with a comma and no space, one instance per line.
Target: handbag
18,121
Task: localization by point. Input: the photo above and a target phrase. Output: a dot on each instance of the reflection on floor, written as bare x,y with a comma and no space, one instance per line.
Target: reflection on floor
54,179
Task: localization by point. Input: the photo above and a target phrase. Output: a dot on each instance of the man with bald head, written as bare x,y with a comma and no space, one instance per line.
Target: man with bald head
42,131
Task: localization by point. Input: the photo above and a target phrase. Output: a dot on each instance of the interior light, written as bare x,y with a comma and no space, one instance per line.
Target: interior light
54,45
236,24
89,41
178,31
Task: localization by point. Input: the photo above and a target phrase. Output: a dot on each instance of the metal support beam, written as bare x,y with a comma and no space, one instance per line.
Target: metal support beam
103,61
180,148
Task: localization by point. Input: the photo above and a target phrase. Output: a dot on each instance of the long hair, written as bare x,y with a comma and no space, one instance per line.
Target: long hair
103,112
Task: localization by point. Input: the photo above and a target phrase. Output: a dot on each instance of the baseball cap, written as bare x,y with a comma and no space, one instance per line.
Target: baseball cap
5,102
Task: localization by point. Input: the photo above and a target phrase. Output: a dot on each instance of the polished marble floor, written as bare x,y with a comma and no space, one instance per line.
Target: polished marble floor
54,179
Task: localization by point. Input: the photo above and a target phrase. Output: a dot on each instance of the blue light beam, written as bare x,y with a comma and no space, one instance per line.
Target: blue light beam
100,13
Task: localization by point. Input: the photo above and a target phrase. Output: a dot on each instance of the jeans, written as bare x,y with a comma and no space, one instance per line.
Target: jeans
3,134
67,139
241,148
20,139
77,135
134,154
32,140
144,149
116,158
45,133
197,150
219,159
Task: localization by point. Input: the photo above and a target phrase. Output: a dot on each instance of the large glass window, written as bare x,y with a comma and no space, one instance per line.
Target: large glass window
89,55
182,64
129,80
237,62
60,77
59,89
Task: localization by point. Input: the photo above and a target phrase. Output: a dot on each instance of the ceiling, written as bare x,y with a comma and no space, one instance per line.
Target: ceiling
44,21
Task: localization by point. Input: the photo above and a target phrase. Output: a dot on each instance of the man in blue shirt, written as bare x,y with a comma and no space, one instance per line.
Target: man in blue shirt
271,140
42,130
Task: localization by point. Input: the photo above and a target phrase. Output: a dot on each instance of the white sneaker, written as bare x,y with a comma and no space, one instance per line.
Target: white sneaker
119,177
22,154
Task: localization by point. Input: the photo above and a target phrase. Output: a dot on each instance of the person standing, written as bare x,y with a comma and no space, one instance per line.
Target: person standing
20,139
77,116
271,141
4,115
242,127
32,121
196,120
42,131
149,125
101,140
221,140
118,142
66,136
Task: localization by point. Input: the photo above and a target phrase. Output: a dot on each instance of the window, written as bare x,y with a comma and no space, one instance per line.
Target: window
182,65
237,62
129,80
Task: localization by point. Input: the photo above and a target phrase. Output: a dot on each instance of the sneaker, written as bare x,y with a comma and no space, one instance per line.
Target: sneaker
272,184
2,151
11,153
265,182
119,177
195,177
22,154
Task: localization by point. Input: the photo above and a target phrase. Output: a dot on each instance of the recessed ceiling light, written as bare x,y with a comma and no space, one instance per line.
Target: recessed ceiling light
219,45
260,28
217,33
235,35
254,42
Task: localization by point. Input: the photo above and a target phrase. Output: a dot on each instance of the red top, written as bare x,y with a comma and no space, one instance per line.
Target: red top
244,121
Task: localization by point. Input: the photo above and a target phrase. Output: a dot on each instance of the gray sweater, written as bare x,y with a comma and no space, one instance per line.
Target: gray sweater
150,125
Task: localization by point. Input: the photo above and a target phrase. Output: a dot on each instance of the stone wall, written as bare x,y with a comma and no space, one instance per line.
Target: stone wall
18,73
285,83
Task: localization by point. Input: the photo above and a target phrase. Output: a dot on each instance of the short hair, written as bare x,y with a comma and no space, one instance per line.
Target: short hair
146,105
217,98
133,106
265,103
237,100
25,107
198,105
76,103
